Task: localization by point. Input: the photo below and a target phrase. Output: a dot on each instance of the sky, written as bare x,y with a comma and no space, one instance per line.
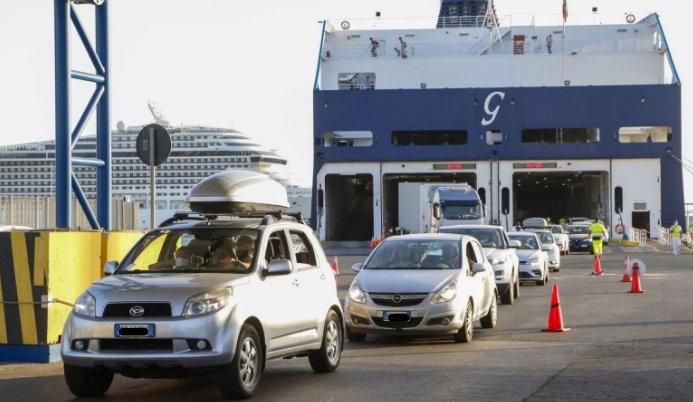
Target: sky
248,65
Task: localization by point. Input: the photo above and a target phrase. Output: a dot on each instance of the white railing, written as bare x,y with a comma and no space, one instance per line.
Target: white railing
664,236
637,235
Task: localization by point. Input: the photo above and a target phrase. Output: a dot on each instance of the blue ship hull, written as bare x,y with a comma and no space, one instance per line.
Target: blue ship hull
607,108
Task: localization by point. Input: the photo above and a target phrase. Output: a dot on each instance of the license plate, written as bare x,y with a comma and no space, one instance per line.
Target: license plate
396,316
146,330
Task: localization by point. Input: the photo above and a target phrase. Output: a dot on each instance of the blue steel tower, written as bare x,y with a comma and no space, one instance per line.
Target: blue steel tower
66,136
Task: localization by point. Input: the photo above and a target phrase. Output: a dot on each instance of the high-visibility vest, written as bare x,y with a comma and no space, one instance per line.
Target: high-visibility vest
597,230
676,232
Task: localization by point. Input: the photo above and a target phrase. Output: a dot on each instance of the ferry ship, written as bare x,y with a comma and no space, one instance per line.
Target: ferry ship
197,152
551,120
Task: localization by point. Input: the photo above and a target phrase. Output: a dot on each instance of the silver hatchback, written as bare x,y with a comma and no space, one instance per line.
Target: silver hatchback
423,284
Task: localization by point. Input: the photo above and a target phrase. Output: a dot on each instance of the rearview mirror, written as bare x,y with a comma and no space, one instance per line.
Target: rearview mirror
478,267
279,267
110,267
357,267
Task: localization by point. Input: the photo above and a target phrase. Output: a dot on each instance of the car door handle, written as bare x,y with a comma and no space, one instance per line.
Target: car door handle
322,276
295,282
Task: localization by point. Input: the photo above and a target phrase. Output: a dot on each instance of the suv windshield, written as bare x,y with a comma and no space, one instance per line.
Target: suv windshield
556,229
193,250
491,238
416,254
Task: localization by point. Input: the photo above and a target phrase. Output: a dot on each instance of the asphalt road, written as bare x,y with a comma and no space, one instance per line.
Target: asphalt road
621,346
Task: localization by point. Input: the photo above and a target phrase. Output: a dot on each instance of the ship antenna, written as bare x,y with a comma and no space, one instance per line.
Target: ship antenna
159,117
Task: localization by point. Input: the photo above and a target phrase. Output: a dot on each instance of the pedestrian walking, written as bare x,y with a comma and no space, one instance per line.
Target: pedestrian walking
549,42
597,231
676,237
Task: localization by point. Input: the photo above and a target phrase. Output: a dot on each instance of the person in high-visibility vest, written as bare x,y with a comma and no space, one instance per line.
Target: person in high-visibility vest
597,231
676,237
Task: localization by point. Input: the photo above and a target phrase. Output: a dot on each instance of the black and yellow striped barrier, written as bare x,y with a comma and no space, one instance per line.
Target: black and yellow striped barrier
41,274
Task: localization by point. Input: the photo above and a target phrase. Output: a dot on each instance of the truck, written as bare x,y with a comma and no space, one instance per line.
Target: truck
424,207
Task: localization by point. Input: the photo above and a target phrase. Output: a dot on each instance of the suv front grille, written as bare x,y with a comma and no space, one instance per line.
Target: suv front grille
118,345
405,299
150,310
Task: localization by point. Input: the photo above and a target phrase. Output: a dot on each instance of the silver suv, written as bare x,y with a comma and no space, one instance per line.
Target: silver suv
207,294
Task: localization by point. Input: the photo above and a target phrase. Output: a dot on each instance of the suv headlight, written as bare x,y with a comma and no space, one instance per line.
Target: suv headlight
534,260
208,302
85,305
356,294
447,293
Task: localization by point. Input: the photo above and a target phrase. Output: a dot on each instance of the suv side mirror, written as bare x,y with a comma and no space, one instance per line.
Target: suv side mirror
357,267
279,267
514,244
110,267
436,211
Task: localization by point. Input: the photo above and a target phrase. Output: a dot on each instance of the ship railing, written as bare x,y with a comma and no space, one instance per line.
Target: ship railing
638,235
390,48
482,21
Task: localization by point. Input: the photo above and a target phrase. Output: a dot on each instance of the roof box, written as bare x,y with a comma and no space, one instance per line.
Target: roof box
237,192
535,223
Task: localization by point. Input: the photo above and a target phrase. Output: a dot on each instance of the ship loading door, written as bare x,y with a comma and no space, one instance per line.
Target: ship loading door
557,190
348,207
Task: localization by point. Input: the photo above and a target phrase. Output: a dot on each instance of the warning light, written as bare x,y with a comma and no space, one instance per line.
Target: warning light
453,166
535,165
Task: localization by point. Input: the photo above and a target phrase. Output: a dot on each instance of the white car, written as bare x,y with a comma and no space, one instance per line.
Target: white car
561,237
534,264
548,244
506,265
209,293
422,284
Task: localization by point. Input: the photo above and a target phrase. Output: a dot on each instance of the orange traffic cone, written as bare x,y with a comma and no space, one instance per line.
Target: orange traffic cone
635,287
626,277
555,316
372,242
335,266
597,266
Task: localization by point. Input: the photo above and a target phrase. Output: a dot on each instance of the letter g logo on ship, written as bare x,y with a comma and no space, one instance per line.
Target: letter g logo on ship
492,114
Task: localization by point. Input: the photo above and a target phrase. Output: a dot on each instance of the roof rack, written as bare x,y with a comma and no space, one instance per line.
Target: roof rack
186,216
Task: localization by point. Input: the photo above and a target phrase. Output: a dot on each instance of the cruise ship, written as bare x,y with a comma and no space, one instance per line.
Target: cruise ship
556,116
197,152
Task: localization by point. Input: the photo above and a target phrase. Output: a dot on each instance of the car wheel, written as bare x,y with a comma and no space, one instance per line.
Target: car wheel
466,333
544,278
239,379
326,358
490,319
509,295
354,336
87,382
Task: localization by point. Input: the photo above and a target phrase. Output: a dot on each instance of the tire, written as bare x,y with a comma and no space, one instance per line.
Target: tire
239,379
326,359
509,295
545,277
466,333
490,319
86,382
354,336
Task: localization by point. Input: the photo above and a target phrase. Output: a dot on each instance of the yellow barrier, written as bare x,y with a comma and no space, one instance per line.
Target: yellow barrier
42,274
